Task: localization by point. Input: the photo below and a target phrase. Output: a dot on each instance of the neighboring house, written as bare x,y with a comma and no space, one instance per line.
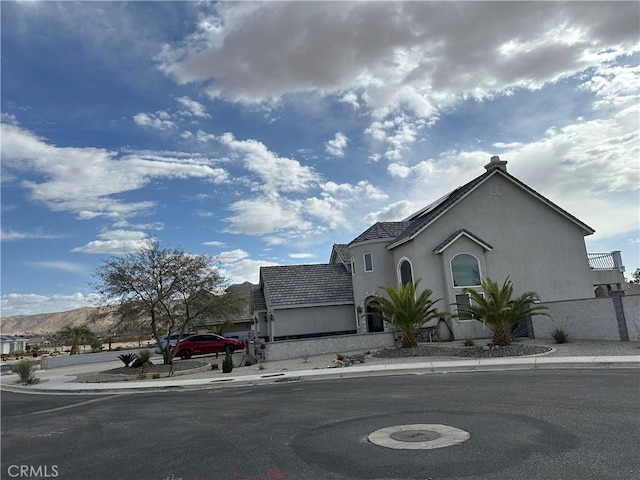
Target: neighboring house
494,226
9,344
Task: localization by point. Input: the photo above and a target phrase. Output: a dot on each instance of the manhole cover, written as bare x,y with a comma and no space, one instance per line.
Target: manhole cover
418,436
415,435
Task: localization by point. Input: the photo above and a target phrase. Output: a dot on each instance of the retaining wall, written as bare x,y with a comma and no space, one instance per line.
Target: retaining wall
285,349
85,358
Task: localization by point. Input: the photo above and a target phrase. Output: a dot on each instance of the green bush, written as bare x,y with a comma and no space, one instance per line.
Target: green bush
155,376
227,363
560,335
144,356
127,358
26,370
248,362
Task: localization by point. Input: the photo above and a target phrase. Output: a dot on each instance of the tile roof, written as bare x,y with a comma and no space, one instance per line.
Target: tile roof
381,230
258,303
288,285
342,249
243,292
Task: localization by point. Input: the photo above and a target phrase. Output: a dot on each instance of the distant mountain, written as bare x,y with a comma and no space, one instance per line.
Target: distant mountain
48,323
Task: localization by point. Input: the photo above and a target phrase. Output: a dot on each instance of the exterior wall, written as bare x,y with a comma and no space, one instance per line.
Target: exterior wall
608,277
338,344
312,320
586,319
631,309
366,284
536,247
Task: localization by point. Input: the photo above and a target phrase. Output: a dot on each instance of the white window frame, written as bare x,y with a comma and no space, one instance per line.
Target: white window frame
457,311
364,259
453,280
353,266
402,260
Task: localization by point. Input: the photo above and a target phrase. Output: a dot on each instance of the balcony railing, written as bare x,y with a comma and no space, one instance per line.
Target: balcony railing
605,261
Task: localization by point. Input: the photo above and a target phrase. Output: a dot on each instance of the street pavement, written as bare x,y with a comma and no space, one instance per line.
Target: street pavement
577,354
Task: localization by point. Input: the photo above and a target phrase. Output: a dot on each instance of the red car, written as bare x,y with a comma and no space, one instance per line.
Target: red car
205,343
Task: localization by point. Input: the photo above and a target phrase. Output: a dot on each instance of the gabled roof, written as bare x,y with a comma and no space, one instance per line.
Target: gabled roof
342,251
463,232
306,285
425,217
381,230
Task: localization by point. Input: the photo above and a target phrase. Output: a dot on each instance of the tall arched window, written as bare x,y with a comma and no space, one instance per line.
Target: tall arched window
465,270
406,273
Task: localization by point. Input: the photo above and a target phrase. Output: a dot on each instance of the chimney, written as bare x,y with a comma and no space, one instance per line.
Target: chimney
496,163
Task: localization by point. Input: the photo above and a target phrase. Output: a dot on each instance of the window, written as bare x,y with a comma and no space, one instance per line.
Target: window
406,273
464,299
368,262
353,266
465,270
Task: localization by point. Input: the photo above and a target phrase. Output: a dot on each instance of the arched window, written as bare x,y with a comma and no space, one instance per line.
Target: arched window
465,270
406,273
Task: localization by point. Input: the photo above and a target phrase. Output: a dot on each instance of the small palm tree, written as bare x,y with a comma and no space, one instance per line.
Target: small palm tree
498,310
406,310
76,336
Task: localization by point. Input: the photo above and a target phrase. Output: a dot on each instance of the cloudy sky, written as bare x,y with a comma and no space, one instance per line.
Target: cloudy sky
262,133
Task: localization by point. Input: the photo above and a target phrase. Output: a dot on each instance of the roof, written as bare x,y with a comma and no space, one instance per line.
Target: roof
342,250
258,303
382,230
456,235
243,292
423,218
288,285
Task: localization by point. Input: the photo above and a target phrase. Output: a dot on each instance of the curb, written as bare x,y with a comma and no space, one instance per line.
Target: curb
416,368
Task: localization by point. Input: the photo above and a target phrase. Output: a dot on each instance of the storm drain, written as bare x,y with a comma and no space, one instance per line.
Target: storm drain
418,436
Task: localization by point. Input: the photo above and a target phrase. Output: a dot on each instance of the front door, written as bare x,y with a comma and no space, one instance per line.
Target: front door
374,320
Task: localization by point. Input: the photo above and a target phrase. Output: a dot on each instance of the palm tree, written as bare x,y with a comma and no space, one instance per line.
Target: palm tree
498,310
406,310
76,336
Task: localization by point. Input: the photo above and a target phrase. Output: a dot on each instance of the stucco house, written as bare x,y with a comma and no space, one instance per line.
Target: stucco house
493,226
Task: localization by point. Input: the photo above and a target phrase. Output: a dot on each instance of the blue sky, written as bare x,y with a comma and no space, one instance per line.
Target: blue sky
262,133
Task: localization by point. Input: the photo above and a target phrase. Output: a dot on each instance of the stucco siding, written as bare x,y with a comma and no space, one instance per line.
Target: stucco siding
383,269
539,249
312,320
585,319
631,309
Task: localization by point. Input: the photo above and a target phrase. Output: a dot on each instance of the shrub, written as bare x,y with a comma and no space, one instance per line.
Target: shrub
340,357
469,342
127,358
215,366
560,335
262,367
227,363
144,356
26,370
155,376
248,362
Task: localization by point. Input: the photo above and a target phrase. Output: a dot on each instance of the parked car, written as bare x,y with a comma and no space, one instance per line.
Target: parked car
205,343
173,339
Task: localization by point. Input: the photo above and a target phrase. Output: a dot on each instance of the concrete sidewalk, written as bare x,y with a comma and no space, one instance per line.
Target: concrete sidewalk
579,354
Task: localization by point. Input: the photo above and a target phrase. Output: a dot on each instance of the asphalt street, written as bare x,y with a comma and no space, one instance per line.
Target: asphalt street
553,424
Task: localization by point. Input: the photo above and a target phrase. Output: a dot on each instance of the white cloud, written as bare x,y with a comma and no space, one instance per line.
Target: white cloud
276,174
231,256
336,146
265,215
215,243
58,265
116,242
245,270
104,174
192,108
301,255
160,120
30,303
11,235
392,213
